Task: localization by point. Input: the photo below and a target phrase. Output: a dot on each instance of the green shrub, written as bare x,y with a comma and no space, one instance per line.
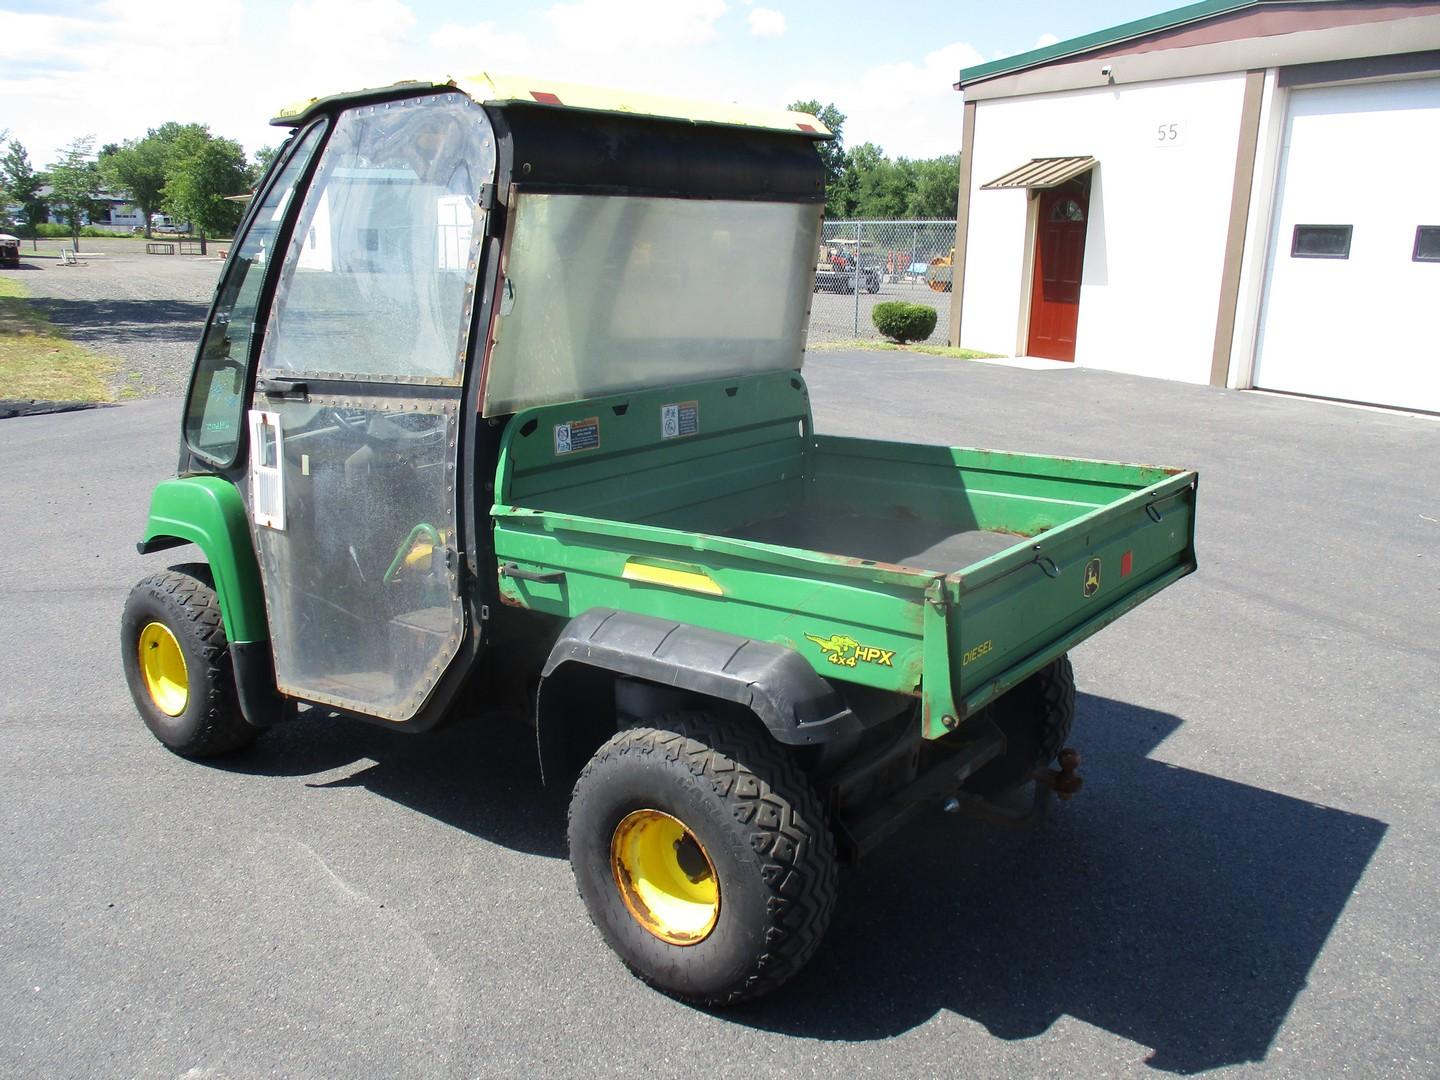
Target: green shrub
61,231
903,322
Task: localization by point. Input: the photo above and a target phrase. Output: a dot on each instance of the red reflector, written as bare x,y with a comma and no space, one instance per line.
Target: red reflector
1125,561
805,127
545,98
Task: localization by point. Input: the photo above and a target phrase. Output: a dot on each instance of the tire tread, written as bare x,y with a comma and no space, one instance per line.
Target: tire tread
187,593
769,793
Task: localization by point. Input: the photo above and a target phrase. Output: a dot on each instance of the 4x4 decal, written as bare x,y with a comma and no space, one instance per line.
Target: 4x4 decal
847,652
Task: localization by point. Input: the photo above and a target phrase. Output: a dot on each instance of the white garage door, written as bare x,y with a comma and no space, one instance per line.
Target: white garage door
1353,289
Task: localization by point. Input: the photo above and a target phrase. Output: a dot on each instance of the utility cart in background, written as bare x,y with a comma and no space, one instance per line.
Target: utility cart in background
500,401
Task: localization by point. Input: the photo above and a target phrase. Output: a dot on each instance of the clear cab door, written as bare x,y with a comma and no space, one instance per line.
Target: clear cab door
355,419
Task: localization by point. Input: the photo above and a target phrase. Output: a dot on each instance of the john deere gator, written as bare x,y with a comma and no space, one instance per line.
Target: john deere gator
501,399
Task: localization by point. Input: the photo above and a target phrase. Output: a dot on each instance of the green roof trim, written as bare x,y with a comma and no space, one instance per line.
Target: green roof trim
1166,20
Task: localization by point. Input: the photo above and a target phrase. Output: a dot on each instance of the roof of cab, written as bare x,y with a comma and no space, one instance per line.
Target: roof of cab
518,90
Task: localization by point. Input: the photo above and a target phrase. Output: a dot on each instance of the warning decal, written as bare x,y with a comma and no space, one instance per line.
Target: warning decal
577,435
679,419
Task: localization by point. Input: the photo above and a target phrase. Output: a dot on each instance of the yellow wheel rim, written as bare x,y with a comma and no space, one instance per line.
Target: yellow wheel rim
665,876
163,666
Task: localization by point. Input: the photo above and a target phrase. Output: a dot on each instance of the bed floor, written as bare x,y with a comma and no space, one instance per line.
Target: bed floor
925,545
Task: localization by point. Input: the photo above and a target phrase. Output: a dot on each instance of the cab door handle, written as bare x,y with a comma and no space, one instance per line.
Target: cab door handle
283,388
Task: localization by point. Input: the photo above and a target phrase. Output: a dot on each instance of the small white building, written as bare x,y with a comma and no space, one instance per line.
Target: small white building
114,210
1237,192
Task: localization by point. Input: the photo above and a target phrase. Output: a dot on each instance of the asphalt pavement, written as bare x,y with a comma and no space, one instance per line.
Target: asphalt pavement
1247,883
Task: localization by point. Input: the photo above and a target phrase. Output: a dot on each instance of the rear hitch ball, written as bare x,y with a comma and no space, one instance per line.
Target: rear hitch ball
1066,780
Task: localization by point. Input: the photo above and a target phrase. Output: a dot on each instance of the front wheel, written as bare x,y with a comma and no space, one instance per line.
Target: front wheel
177,662
703,856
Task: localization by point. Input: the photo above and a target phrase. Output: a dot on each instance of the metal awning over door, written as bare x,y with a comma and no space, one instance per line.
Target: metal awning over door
1046,172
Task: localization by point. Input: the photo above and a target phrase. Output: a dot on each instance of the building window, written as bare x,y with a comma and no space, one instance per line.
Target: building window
1427,244
1321,242
1067,210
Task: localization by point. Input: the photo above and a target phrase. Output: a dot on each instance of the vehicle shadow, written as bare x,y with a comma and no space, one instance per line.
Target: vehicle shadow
480,774
94,322
1175,909
1178,910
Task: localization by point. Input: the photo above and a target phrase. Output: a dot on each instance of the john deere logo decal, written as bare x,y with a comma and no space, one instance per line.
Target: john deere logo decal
847,652
1091,584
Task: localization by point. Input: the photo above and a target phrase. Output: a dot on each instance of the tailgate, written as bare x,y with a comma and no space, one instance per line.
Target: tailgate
1012,614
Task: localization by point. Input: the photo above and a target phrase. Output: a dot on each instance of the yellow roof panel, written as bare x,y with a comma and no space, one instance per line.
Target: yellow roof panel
498,89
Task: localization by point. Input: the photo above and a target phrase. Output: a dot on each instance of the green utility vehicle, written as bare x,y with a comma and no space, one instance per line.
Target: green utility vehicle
500,402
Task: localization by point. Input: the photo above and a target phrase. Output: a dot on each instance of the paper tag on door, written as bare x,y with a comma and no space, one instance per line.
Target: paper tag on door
267,474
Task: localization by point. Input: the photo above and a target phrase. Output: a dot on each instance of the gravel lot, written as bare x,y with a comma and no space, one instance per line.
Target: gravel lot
146,311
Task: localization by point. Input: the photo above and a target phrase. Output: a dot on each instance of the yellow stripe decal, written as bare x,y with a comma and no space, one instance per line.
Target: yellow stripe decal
671,576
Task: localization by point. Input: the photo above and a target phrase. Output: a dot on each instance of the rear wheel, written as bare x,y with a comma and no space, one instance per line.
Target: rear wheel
703,857
177,662
1035,718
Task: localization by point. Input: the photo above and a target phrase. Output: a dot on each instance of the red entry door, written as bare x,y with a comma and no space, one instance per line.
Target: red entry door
1059,259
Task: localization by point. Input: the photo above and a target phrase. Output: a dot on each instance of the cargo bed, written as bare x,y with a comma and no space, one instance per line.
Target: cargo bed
942,572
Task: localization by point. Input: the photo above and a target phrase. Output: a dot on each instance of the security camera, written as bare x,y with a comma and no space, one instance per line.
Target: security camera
1105,71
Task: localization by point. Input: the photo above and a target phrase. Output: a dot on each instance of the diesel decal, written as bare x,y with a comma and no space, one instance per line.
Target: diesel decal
847,652
1091,584
977,652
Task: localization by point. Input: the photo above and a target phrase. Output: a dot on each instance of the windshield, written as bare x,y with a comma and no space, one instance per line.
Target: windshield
604,294
217,392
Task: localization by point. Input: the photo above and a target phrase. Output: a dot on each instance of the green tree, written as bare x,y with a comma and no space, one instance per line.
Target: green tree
138,168
137,171
880,187
22,185
201,171
844,200
74,185
937,188
263,157
832,153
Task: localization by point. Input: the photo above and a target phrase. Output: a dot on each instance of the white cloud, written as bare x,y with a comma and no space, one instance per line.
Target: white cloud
603,27
129,65
340,42
1045,39
907,108
766,22
461,49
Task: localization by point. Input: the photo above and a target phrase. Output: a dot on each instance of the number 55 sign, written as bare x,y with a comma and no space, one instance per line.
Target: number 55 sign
1167,133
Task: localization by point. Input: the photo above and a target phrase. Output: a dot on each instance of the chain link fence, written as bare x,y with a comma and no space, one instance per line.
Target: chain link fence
861,263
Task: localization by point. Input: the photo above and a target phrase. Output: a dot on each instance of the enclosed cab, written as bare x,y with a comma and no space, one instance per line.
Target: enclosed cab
501,401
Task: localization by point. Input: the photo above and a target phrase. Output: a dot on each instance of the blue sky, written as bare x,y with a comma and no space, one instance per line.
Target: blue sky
115,68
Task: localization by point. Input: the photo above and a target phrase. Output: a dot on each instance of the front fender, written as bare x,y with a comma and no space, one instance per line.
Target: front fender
208,511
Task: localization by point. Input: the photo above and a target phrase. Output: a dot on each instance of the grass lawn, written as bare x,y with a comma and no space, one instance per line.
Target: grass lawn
36,363
890,346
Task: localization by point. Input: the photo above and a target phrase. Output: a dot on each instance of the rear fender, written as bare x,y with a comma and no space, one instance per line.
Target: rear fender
776,684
